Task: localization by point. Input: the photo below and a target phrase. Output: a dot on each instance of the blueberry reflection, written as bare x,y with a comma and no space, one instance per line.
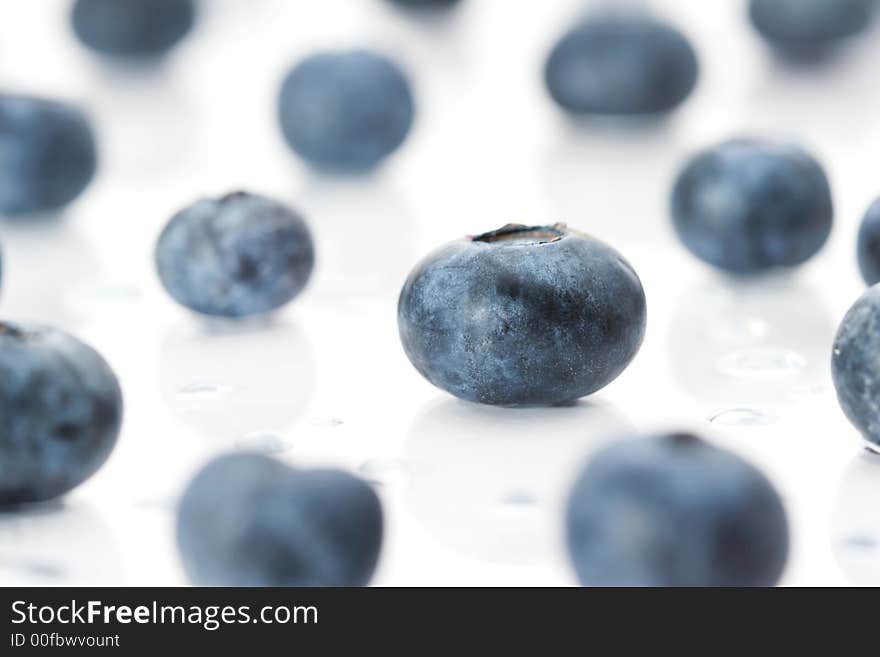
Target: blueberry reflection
611,178
44,259
751,344
57,544
148,124
365,236
490,482
855,521
233,381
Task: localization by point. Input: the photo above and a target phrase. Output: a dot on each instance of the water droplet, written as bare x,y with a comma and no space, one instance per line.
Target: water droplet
199,390
331,422
385,472
761,362
860,542
743,417
519,499
266,443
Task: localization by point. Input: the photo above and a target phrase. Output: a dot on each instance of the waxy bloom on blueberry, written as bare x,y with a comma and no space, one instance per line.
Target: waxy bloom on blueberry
248,520
347,110
47,154
750,205
132,28
239,255
60,413
855,367
621,64
523,315
806,28
675,511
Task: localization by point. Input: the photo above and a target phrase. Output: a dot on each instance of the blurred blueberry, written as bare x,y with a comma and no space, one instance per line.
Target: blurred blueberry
869,245
345,110
248,520
855,367
809,27
60,413
675,511
621,64
522,315
132,28
47,154
239,255
749,205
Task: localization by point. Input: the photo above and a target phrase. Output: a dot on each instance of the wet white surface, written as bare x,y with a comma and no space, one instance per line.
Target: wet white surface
472,495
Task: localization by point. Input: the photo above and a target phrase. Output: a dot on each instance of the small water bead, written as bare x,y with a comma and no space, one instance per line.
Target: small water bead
743,417
200,390
762,362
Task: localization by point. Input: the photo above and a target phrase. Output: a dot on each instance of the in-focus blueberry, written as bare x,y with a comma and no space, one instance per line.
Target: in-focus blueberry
809,27
524,315
345,110
238,255
621,64
47,154
869,245
132,28
855,367
248,520
749,205
60,413
675,511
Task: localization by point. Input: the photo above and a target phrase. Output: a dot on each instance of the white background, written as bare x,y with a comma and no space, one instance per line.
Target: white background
473,495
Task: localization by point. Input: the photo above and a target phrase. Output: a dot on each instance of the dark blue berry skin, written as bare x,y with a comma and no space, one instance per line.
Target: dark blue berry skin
809,27
621,65
60,413
248,520
854,365
132,28
47,154
747,206
345,111
522,316
869,245
235,256
675,511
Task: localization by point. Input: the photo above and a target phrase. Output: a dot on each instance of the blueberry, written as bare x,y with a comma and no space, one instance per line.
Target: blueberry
239,255
748,205
60,413
47,154
675,511
345,110
620,64
132,28
524,315
855,368
869,245
809,27
247,520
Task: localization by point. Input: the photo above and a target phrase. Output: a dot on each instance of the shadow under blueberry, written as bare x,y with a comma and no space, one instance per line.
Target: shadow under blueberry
238,384
855,521
751,347
491,482
57,543
45,260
